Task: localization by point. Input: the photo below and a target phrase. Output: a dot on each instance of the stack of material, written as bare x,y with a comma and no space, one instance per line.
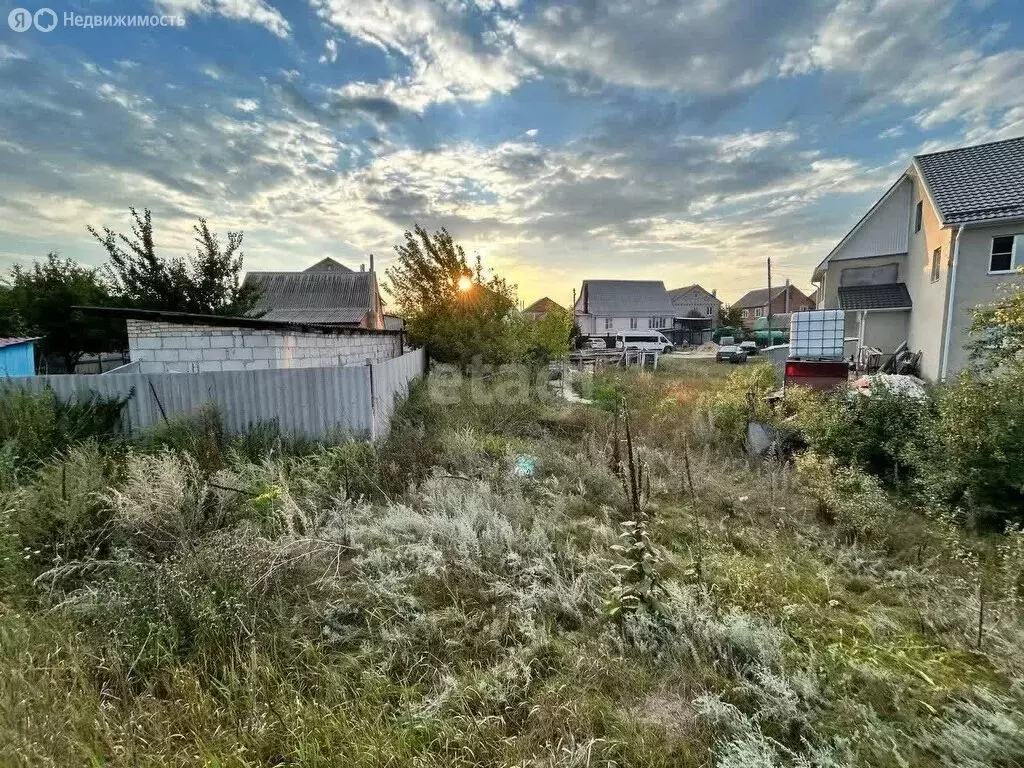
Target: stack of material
911,386
708,346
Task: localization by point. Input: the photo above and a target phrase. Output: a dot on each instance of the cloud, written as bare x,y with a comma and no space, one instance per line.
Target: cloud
450,53
246,105
330,53
255,11
693,46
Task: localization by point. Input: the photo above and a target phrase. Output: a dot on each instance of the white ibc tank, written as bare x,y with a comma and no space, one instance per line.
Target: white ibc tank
817,334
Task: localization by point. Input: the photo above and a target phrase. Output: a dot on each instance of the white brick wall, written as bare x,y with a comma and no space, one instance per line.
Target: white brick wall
171,348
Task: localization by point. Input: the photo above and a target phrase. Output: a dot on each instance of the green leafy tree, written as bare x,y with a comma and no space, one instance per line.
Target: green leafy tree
207,282
452,309
730,316
550,335
38,301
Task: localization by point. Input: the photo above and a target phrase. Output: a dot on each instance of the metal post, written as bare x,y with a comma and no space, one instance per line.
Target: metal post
769,309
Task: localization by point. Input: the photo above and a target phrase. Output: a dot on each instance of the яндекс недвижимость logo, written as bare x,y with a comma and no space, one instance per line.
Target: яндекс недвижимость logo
22,20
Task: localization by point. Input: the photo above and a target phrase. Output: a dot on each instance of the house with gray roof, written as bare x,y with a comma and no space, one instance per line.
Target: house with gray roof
327,293
610,306
695,301
945,238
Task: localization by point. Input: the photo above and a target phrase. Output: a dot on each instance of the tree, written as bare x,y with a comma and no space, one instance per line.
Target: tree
456,312
730,316
550,334
208,282
998,332
38,302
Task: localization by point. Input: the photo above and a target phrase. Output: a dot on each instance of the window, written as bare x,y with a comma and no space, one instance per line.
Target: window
709,310
758,311
936,263
607,323
744,313
632,323
918,212
655,322
1004,253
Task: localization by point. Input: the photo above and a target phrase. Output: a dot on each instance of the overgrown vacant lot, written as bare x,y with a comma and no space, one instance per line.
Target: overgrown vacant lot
185,599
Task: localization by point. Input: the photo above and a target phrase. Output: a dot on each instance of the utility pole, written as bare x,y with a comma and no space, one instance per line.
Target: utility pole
769,311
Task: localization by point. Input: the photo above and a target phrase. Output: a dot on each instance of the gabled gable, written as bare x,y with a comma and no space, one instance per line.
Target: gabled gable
692,293
882,231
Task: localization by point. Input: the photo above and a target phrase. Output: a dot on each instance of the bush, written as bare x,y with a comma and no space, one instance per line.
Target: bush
972,457
879,434
40,425
742,398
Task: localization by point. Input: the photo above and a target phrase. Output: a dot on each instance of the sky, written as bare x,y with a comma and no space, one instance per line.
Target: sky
632,139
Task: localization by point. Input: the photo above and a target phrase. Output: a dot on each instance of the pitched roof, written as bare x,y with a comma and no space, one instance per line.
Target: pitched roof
226,321
678,293
543,306
625,297
328,265
883,296
979,183
759,296
335,315
330,296
13,341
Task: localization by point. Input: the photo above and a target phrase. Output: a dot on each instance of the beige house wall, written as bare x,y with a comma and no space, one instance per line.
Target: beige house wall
833,275
886,329
975,287
928,319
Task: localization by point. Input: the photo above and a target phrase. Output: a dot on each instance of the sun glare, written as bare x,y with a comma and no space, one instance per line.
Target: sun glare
465,283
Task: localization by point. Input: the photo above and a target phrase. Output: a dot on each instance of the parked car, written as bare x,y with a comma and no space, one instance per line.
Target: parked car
750,347
650,341
731,353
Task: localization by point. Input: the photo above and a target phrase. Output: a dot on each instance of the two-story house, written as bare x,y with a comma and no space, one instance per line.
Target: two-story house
694,301
611,306
785,299
943,240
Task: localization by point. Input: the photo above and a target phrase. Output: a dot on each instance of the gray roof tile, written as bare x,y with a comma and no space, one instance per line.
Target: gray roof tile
977,183
884,296
622,298
331,296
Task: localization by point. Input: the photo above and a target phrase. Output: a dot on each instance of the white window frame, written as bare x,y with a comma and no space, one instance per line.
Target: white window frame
1016,255
607,323
918,216
743,313
936,264
632,323
709,310
758,311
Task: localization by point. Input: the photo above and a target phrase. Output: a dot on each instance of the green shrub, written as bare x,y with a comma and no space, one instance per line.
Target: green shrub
60,514
740,398
40,425
972,457
879,434
200,434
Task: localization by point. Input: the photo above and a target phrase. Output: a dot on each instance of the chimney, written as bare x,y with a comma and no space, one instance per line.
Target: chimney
714,292
362,267
787,295
371,262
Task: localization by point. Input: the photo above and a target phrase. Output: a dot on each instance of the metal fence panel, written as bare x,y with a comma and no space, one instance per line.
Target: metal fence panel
304,401
391,380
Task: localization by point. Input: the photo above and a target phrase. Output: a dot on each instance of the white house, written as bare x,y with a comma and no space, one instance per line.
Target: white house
945,238
610,306
695,301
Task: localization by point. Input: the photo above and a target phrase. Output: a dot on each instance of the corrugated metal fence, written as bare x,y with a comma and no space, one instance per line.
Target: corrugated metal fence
304,401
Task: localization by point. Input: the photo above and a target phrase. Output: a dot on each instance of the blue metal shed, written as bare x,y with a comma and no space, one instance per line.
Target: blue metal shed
17,357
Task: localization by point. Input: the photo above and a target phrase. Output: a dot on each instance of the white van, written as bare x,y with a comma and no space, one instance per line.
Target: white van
649,341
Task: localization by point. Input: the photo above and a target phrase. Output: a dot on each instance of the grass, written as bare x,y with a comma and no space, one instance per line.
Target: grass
189,599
